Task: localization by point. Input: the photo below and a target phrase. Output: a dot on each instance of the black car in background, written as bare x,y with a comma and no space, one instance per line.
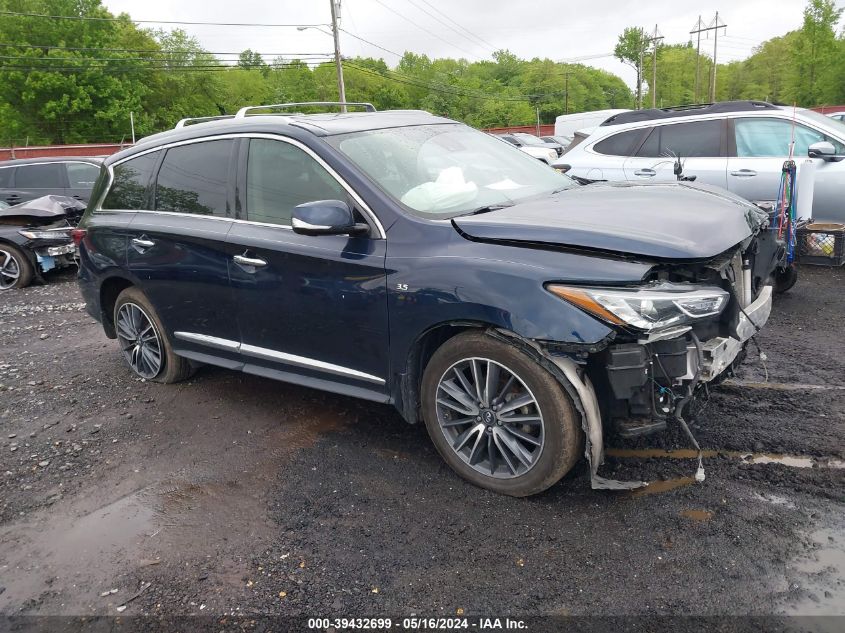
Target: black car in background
35,238
407,259
25,179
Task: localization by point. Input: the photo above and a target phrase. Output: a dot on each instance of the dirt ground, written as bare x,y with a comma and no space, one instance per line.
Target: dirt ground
235,495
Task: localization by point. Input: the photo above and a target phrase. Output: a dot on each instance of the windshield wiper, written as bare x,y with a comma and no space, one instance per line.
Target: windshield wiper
485,209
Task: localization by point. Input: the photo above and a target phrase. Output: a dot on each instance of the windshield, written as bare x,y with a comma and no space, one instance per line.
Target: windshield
448,170
529,139
830,122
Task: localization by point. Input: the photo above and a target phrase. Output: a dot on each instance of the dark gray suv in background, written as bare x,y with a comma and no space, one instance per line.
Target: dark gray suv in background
408,259
25,179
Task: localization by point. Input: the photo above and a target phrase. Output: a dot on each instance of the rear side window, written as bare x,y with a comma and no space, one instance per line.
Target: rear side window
195,179
6,176
82,175
622,144
698,138
47,176
281,176
129,187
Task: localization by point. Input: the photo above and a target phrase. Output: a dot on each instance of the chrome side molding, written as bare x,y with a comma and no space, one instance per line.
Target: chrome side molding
274,355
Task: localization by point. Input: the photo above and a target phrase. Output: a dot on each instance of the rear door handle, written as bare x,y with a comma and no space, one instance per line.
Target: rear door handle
243,260
744,173
648,173
141,244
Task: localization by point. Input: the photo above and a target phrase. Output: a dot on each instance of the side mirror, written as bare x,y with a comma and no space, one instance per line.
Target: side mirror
822,149
326,217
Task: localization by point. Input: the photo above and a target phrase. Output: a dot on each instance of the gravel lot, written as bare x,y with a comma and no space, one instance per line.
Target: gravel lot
232,494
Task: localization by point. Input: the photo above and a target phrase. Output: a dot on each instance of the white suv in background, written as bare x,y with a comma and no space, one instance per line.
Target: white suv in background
737,145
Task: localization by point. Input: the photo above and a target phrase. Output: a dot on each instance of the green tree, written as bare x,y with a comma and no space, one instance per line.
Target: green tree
629,50
815,50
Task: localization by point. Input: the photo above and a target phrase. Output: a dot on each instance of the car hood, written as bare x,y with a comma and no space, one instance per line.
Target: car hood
660,221
43,210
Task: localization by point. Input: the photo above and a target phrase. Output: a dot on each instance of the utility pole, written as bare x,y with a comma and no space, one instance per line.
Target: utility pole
341,89
654,39
715,25
566,94
640,71
697,29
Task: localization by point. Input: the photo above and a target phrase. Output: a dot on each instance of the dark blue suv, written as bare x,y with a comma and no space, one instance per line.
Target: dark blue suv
408,259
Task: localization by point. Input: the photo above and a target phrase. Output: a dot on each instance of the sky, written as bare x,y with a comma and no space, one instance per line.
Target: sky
473,29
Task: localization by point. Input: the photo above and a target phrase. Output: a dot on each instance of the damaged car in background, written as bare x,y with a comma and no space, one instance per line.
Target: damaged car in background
35,238
519,315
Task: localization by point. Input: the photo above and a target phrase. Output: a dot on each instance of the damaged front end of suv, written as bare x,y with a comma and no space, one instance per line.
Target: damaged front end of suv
681,327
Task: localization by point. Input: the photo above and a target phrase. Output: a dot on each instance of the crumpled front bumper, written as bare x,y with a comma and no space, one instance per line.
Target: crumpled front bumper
718,353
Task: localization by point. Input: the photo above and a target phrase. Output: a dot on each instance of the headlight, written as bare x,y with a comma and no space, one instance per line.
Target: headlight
646,308
60,234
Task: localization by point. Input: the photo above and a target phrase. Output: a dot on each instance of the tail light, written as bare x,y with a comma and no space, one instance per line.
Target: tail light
77,235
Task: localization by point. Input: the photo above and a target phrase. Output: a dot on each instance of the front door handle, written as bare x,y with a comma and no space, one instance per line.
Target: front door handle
243,260
141,244
744,173
647,173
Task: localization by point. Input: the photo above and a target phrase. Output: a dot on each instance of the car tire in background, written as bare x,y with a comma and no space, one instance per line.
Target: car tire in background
16,269
784,279
144,342
499,419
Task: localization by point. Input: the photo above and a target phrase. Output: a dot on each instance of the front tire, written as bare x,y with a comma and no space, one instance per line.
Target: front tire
16,269
500,420
143,341
785,278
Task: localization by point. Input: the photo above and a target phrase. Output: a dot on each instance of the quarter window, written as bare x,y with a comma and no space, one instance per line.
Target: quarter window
772,137
281,176
129,187
47,176
622,144
195,179
701,139
82,175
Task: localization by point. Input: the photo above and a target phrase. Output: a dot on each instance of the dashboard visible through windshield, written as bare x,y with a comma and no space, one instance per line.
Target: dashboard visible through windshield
447,170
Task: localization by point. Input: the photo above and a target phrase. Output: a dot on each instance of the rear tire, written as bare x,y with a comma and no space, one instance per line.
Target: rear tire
144,342
471,418
16,269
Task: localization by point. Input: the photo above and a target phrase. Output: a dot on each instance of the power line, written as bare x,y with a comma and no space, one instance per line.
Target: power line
448,26
478,37
112,19
357,37
422,28
149,50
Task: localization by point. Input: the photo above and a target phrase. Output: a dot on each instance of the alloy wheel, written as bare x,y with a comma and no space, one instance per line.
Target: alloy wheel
139,340
490,418
10,270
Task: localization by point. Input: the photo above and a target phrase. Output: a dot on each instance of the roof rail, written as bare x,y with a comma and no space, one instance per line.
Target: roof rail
634,116
369,107
201,119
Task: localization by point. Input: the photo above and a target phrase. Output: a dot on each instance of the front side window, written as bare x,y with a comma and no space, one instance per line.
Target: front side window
195,179
702,139
446,170
759,138
47,176
281,176
82,175
129,187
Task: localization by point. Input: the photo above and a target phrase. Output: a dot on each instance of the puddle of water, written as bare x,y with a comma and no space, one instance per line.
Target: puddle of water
795,461
697,515
657,487
821,576
86,550
782,386
645,453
